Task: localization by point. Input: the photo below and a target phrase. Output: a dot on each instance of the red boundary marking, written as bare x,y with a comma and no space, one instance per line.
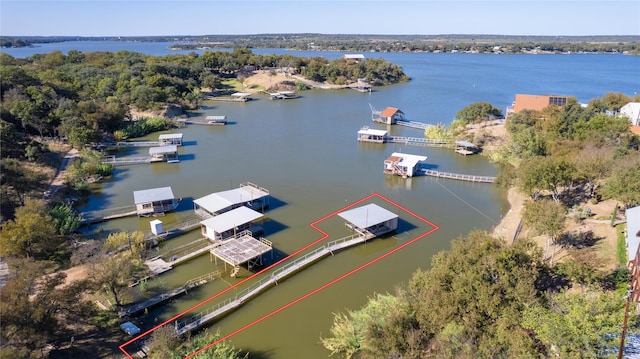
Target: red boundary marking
330,283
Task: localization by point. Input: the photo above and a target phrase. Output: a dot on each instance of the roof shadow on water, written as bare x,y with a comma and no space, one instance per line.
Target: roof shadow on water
189,143
275,203
429,166
187,157
272,227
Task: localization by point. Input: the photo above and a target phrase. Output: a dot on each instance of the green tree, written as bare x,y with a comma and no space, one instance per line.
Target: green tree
624,184
574,325
478,111
546,217
65,219
31,234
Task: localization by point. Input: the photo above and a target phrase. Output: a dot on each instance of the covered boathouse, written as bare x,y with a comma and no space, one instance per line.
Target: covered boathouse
230,223
403,164
248,194
155,201
367,134
371,219
389,116
170,139
167,153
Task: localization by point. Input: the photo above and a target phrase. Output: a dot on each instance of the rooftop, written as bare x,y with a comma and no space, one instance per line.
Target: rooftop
170,136
240,250
367,216
152,195
633,231
163,149
232,219
220,200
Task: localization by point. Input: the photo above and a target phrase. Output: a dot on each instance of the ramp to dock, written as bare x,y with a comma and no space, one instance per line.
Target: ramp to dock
458,176
204,317
106,214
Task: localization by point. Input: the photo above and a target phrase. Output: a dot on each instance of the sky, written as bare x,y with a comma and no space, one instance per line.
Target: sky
388,17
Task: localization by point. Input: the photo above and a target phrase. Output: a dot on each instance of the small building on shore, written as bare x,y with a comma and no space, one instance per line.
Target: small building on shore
371,219
167,153
170,139
402,164
155,201
248,194
366,134
230,223
389,116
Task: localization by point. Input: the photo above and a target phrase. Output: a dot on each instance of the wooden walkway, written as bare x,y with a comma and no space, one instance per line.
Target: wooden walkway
158,265
280,273
458,176
413,124
106,214
421,141
112,160
129,144
136,308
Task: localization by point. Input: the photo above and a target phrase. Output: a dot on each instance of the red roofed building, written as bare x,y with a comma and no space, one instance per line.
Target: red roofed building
389,116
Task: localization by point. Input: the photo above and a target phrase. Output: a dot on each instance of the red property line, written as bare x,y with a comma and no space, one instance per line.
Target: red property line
325,236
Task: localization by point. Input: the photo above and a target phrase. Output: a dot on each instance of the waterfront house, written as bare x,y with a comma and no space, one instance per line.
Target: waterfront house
370,219
248,194
155,201
367,134
534,103
403,164
389,116
167,153
170,139
230,223
632,112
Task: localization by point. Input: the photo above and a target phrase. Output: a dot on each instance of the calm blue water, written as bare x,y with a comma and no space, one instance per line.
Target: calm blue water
305,152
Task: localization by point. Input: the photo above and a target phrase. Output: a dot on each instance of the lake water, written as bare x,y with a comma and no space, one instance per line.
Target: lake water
305,152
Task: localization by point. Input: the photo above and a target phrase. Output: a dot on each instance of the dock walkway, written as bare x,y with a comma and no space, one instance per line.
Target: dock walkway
158,265
286,270
458,176
190,284
112,160
129,144
421,141
413,124
106,214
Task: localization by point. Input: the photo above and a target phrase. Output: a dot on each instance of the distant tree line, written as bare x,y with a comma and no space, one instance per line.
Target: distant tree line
380,43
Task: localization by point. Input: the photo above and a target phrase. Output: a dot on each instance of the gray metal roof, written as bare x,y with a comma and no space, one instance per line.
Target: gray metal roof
163,149
367,216
220,200
152,195
232,219
167,136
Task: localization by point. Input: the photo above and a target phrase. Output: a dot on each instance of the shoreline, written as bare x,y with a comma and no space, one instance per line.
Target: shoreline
508,225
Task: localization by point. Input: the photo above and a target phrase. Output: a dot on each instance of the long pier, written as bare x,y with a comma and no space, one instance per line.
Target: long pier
106,214
413,124
163,297
112,160
129,144
421,141
458,176
229,304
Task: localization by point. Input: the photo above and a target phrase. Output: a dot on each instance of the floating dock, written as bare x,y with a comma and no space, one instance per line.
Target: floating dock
106,214
234,97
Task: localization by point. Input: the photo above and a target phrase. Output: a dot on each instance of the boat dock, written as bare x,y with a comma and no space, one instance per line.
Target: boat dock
106,214
136,308
458,176
229,304
234,97
112,160
157,265
413,124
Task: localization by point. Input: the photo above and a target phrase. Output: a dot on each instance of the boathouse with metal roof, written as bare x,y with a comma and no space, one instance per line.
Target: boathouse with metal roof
167,153
228,224
370,218
248,194
155,201
389,116
366,134
402,164
170,139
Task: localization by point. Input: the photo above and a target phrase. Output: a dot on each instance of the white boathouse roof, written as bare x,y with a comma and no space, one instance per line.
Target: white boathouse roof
409,160
163,149
168,136
371,131
232,219
152,195
367,216
220,200
241,94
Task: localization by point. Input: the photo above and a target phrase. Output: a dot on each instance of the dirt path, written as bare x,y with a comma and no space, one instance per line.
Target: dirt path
58,180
